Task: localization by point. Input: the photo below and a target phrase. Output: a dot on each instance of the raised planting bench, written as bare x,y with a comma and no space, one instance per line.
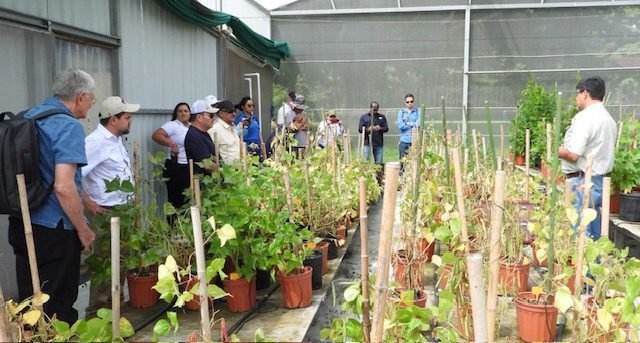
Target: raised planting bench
625,234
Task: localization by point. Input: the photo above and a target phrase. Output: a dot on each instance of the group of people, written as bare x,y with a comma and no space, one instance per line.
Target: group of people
77,167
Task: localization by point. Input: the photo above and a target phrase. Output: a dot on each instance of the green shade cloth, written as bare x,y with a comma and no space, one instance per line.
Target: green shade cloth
194,12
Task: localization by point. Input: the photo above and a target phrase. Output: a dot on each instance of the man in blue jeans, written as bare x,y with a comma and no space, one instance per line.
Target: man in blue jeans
374,125
592,132
408,118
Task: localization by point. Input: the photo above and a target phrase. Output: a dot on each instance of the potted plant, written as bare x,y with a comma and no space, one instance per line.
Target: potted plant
625,177
536,317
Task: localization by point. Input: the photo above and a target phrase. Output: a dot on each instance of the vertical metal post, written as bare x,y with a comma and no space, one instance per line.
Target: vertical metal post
465,70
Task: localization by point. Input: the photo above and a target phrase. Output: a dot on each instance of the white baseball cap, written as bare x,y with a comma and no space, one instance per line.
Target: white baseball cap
201,106
210,99
114,105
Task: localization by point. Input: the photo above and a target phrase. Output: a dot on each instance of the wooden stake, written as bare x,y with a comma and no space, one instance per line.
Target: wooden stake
28,234
392,172
215,142
586,196
191,179
345,149
364,259
364,129
484,148
263,150
478,297
502,141
196,192
526,164
5,326
619,134
287,187
499,165
115,277
606,193
476,154
308,184
549,141
567,193
460,199
202,277
466,161
497,216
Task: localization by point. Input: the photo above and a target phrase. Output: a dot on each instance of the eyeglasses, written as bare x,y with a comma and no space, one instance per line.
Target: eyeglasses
250,105
409,101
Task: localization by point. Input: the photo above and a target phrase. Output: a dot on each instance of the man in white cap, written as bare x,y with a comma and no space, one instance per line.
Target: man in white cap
198,145
107,160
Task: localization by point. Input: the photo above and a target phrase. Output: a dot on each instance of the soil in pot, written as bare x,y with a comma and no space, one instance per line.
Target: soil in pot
141,293
242,294
315,262
403,270
333,248
296,288
536,317
630,206
514,277
324,247
419,297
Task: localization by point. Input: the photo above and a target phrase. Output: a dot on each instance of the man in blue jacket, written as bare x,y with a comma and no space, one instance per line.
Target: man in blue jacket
408,118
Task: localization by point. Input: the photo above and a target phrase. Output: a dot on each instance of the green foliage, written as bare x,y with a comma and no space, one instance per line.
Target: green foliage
626,167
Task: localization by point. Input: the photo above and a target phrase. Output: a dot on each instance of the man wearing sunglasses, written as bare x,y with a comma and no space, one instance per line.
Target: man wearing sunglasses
408,118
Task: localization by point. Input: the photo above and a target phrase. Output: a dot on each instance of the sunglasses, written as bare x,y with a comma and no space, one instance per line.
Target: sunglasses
409,101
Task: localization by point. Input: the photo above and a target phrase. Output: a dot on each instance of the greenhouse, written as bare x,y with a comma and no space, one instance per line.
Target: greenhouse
320,171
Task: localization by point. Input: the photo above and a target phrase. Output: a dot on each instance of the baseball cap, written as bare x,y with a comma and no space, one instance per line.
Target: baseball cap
114,105
201,106
226,106
210,99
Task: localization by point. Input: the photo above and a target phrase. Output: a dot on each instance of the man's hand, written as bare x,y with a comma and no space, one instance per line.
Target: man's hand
90,206
87,236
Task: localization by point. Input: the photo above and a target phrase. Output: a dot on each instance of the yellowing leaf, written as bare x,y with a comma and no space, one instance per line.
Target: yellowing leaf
212,222
448,207
40,299
564,299
588,215
226,233
31,317
605,318
126,329
234,276
572,214
163,272
437,260
429,237
171,264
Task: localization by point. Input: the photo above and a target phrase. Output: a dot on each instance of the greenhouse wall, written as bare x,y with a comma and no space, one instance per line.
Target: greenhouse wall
345,57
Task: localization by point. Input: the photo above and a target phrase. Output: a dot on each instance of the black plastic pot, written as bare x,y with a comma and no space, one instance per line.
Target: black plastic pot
315,261
263,279
333,247
630,207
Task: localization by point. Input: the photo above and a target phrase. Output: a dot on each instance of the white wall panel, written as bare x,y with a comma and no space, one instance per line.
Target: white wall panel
252,14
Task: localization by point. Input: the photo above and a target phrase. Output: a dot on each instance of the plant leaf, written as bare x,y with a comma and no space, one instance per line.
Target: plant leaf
605,318
126,329
162,327
351,293
104,313
40,299
564,299
588,215
32,317
226,233
572,214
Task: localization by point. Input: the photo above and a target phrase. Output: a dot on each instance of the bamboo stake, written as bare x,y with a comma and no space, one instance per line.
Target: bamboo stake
475,148
339,178
364,129
345,149
191,178
586,196
526,164
484,148
364,259
478,297
499,164
200,265
460,199
196,192
466,161
549,141
606,193
5,326
307,181
287,187
497,216
217,147
28,234
567,193
502,140
115,277
619,134
392,171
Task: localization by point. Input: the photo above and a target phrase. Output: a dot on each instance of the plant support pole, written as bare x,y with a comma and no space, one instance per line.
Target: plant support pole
526,164
502,141
606,193
200,264
306,180
191,178
5,326
364,260
28,234
476,154
460,199
392,171
196,192
115,277
287,188
497,216
478,297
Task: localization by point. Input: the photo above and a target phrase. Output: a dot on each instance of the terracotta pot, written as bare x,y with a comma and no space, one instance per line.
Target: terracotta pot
242,294
341,236
296,288
324,247
444,278
536,323
519,160
141,293
614,203
419,297
514,277
536,261
427,249
194,304
596,332
415,271
558,269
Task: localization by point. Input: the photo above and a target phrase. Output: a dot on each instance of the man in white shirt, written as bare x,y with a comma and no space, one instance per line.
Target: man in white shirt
592,132
107,159
224,134
285,110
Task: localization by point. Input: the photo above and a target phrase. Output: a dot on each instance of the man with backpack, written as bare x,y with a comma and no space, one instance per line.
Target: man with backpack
107,160
60,230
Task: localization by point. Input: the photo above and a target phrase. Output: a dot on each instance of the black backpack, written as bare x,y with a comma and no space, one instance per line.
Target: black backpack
19,154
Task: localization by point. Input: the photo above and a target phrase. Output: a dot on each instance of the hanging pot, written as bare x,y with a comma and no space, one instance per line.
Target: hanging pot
536,320
296,288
